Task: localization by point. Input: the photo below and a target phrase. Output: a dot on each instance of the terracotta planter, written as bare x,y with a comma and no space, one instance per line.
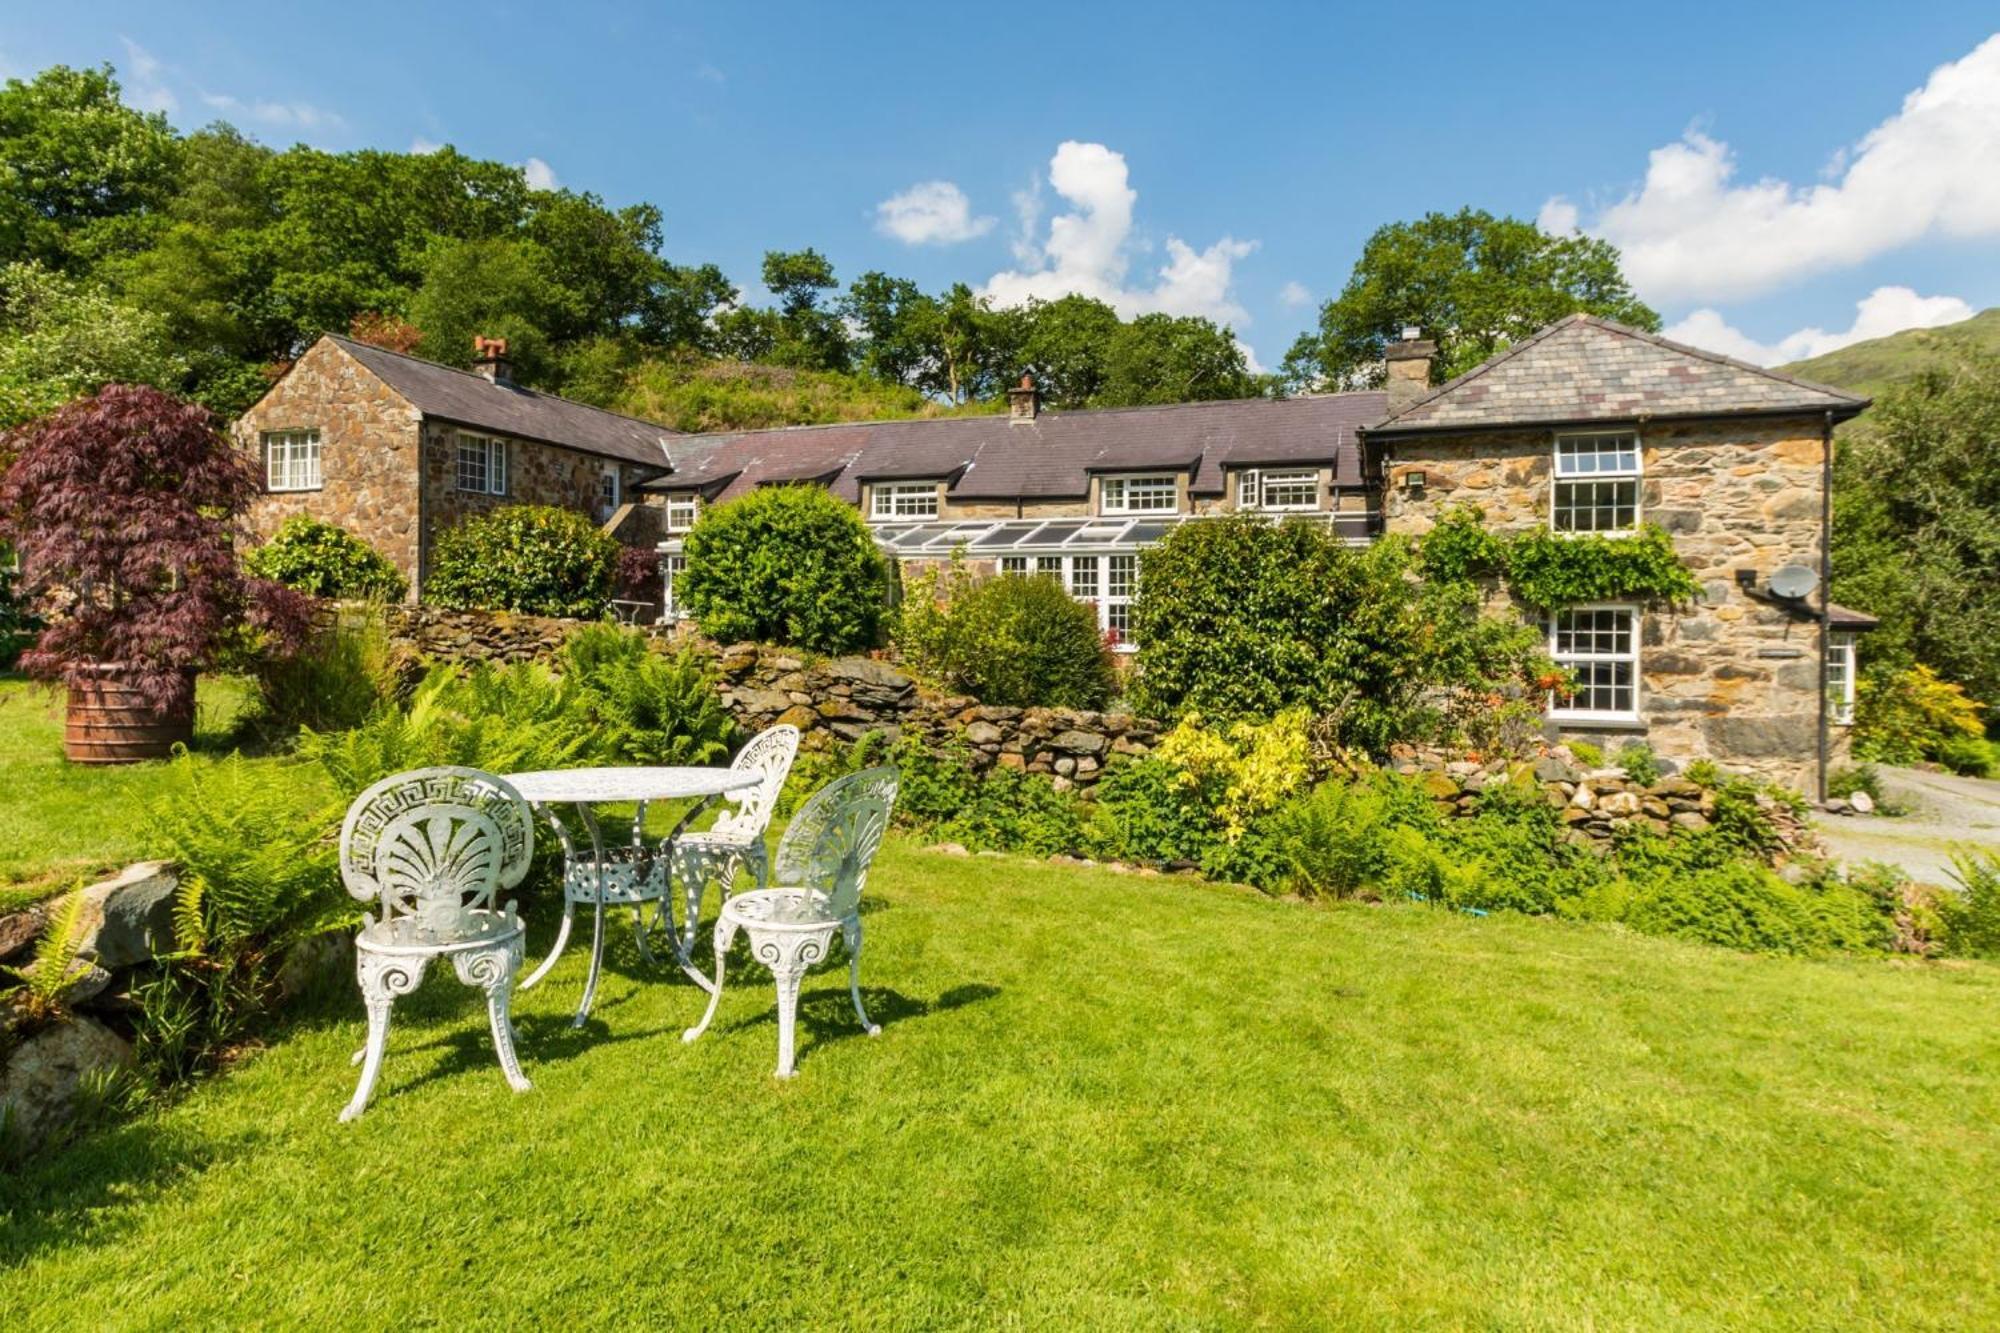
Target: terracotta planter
109,722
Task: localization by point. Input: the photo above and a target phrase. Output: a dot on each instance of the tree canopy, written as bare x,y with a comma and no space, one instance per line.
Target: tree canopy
1469,280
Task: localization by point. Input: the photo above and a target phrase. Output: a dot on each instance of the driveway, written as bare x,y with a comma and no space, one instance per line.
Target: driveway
1947,812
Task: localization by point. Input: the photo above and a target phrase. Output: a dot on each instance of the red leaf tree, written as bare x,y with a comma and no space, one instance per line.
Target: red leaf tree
123,508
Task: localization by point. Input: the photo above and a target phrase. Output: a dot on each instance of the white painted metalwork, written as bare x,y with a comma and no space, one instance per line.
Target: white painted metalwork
433,847
632,876
821,867
736,840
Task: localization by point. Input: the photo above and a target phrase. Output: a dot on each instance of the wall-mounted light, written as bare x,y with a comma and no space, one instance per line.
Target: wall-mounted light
1414,481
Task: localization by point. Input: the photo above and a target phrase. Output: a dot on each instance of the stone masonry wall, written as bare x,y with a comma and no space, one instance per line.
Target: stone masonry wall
1732,678
368,453
537,473
838,699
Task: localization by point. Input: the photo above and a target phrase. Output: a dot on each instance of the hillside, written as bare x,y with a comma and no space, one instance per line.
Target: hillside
697,395
1872,366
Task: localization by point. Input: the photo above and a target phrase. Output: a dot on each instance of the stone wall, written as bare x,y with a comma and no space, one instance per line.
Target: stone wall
537,473
368,453
830,700
1732,678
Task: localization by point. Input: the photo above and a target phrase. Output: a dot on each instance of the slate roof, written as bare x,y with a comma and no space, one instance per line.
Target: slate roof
1583,368
993,458
466,399
1844,618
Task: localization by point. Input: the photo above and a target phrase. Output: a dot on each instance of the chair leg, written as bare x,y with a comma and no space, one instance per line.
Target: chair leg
382,980
639,934
555,950
850,931
492,970
725,933
788,973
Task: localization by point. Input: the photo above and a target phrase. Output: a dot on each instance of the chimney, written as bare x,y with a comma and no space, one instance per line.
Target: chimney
1409,364
489,359
1024,402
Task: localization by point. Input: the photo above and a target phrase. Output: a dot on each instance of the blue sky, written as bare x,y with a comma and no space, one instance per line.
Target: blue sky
1759,164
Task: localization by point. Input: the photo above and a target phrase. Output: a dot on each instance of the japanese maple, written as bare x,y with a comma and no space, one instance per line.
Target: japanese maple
123,508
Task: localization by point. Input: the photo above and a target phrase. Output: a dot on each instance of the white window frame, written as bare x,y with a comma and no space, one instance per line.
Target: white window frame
1254,487
1630,656
903,501
1595,475
492,454
672,563
610,497
292,460
1090,578
1148,486
688,502
1840,660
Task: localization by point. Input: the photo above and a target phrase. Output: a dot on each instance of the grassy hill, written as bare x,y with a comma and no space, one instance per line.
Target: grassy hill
690,395
1872,366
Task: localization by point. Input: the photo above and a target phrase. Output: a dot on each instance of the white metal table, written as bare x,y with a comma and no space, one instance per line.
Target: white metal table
587,788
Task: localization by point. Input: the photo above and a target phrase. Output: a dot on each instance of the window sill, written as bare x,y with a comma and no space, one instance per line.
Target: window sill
293,490
1598,721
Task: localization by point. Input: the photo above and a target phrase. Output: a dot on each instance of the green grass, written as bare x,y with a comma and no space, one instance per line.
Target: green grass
61,821
1100,1100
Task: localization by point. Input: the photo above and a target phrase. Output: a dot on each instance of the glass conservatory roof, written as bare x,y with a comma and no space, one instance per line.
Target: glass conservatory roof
993,537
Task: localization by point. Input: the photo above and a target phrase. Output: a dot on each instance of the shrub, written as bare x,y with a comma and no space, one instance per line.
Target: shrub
325,560
1002,809
1334,843
1546,569
258,874
125,500
1971,917
18,622
1243,772
1238,617
787,564
344,673
658,710
537,559
1904,717
1017,641
639,577
1640,763
1147,811
1970,756
1587,754
1740,905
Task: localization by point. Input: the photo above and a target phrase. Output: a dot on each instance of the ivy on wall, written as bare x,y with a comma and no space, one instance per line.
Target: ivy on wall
1546,569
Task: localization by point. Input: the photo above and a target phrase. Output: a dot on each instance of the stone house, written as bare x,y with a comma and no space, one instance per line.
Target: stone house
1586,427
396,450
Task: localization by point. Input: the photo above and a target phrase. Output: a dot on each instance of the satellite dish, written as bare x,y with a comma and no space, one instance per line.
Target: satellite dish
1793,582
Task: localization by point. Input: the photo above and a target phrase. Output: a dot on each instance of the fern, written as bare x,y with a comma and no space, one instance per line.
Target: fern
42,983
660,710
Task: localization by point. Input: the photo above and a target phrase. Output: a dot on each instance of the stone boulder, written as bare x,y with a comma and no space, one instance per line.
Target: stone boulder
129,918
38,1086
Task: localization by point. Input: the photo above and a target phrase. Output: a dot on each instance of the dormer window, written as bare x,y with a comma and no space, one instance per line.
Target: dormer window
1278,489
903,501
1147,494
682,511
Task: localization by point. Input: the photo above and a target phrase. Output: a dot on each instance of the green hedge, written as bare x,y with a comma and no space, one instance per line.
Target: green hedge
325,560
1017,641
533,558
787,564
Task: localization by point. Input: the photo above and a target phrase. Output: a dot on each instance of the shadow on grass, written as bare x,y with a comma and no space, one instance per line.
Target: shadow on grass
827,1014
80,1194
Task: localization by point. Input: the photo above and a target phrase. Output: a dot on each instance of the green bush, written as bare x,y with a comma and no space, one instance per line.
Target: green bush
786,564
1844,782
532,558
1548,569
258,874
659,710
325,560
1969,756
342,675
1971,917
1001,809
1905,717
1017,641
1239,617
1146,811
1640,763
1587,754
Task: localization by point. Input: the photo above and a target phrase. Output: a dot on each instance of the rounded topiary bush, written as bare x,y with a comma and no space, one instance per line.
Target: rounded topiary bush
1021,641
787,564
325,560
534,558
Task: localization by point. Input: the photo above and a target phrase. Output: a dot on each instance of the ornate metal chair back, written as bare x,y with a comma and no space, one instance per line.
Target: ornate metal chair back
434,843
769,753
833,838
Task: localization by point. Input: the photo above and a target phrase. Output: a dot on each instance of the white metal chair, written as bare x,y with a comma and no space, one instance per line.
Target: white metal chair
822,865
434,846
736,840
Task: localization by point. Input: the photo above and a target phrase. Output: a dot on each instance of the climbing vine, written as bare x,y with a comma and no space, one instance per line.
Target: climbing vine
1546,569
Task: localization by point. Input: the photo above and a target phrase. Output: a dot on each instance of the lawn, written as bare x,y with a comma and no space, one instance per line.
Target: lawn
61,821
1099,1100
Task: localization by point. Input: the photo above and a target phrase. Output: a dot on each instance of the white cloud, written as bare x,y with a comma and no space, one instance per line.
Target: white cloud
1690,232
1088,249
283,115
1883,311
1293,295
541,176
147,89
423,147
930,213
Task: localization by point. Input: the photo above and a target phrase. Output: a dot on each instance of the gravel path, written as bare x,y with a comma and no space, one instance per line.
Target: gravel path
1947,812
